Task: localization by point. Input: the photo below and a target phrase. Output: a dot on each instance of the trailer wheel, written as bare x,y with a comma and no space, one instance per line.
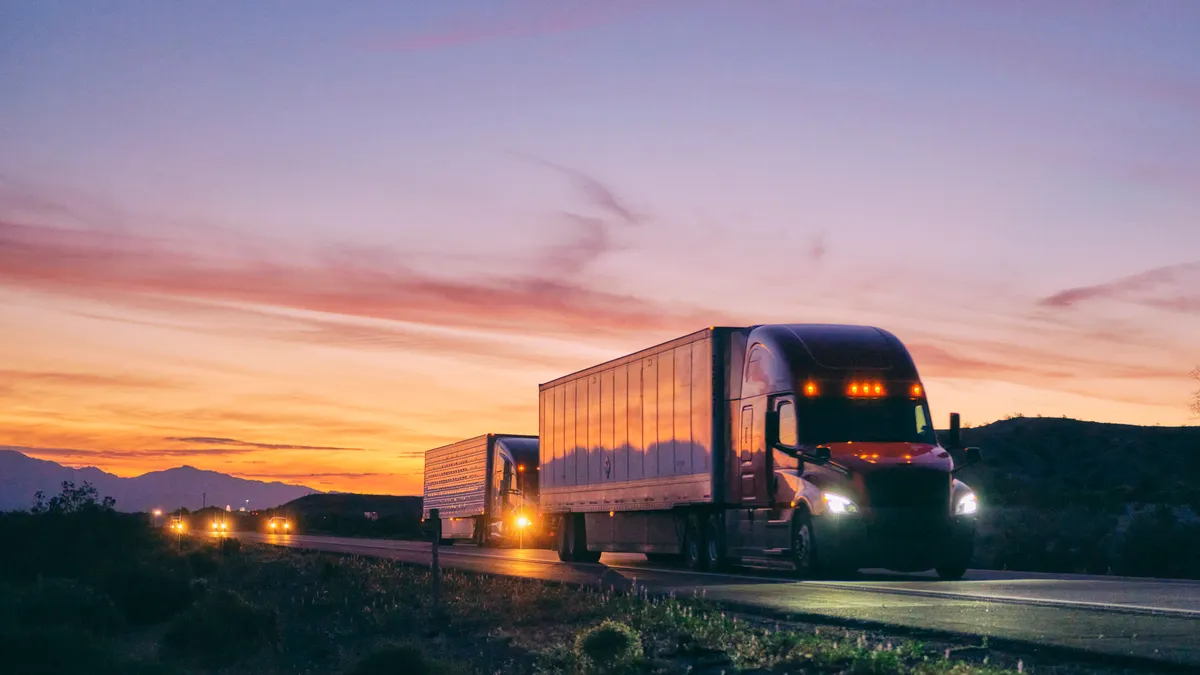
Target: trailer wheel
694,545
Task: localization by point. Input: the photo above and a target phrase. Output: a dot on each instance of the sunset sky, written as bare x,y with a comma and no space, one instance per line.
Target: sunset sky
293,242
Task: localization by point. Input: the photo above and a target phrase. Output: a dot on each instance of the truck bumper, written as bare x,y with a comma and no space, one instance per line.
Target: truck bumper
904,545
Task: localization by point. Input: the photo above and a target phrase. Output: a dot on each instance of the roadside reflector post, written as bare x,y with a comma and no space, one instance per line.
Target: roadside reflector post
435,568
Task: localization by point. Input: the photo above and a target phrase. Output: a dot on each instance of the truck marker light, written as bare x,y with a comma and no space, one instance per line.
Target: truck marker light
854,389
810,389
916,390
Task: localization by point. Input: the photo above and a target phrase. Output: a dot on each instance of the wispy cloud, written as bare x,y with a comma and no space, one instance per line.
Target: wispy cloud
140,454
315,475
120,267
15,378
131,267
537,20
206,440
1172,288
596,192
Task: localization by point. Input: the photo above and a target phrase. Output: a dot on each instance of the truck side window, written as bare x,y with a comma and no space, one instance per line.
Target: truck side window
788,430
922,421
507,480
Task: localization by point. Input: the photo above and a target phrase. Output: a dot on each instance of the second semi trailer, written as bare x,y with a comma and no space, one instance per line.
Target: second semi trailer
485,489
811,443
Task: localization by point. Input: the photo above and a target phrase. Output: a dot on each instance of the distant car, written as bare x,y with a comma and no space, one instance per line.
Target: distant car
279,524
176,525
220,526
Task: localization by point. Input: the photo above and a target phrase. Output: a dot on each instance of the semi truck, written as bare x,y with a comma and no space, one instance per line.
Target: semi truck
486,490
809,444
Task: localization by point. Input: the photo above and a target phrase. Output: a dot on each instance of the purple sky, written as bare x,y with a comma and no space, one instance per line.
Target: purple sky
401,209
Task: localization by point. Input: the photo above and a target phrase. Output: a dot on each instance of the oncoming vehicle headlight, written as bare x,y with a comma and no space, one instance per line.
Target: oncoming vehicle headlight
522,522
839,504
966,505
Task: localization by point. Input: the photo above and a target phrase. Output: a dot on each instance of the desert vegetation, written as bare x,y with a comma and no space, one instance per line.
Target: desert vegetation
84,588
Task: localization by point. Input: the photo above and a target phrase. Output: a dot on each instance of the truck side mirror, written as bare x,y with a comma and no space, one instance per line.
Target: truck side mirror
954,437
970,456
819,454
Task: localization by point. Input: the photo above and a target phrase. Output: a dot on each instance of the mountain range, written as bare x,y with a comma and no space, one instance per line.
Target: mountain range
22,476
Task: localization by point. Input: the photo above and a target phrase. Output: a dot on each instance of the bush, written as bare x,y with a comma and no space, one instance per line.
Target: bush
1157,544
57,651
148,595
608,649
62,604
73,545
220,630
204,562
407,658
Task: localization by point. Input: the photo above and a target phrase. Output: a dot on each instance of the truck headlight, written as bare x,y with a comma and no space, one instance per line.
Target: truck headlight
966,505
522,522
839,504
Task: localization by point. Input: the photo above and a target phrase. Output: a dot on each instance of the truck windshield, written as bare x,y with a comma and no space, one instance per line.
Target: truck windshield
871,421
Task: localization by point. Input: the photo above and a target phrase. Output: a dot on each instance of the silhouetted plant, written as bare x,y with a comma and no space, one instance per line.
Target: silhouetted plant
149,594
72,499
62,604
221,630
408,658
1196,394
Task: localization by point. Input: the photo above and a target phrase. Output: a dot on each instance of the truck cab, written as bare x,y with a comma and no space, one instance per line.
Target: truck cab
834,461
514,493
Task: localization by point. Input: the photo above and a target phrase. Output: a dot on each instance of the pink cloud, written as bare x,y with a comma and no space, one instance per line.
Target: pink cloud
1173,288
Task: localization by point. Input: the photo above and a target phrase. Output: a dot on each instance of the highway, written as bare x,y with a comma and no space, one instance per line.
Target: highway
1109,616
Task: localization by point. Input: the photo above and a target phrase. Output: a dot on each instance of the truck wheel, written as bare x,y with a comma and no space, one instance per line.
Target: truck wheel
804,545
581,552
694,546
714,543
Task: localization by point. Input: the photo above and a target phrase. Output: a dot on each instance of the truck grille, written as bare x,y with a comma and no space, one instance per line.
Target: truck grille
908,489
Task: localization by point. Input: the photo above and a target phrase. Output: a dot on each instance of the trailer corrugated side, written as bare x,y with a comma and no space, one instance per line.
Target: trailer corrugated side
642,432
456,478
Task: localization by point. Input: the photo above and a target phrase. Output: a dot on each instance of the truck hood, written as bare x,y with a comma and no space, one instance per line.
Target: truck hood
868,457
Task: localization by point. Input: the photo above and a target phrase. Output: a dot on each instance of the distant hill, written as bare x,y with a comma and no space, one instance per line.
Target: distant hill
345,514
22,476
1061,495
1050,462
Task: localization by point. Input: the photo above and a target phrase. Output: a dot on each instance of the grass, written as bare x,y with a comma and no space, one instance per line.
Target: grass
208,607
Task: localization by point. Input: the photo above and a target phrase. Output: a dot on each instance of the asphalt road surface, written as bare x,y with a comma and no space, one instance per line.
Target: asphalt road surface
1139,618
